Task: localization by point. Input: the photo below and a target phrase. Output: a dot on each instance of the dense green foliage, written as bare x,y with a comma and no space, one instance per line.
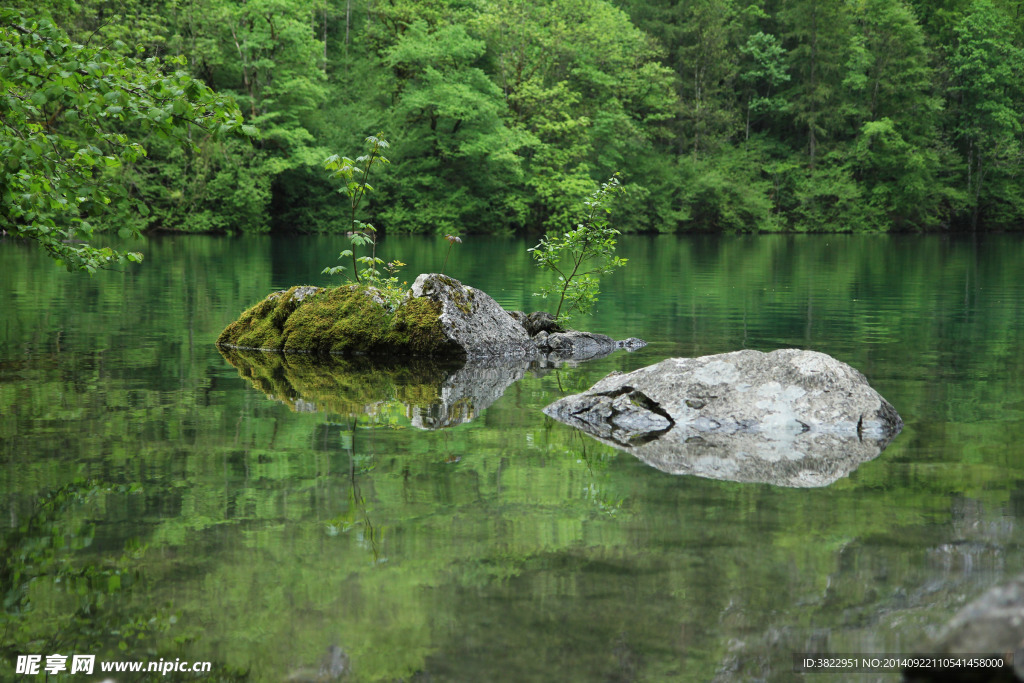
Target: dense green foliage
725,115
65,109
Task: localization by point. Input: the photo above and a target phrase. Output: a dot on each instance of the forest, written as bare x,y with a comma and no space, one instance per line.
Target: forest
720,115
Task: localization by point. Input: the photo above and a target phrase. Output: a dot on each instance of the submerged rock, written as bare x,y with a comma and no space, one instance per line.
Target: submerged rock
790,417
991,627
630,344
334,666
577,345
558,343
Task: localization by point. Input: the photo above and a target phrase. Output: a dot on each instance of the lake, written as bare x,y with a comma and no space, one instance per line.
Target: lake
159,505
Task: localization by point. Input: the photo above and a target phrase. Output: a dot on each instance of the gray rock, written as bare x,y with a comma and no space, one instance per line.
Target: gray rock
576,345
479,325
625,418
473,320
299,294
631,344
993,623
334,666
991,626
570,348
790,417
541,321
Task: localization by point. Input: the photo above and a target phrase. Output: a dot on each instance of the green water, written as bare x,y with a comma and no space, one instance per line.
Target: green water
156,504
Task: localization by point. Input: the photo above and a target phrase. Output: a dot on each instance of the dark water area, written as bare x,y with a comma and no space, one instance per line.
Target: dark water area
158,504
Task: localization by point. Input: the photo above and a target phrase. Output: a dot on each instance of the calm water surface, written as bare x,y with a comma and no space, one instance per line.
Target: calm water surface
157,504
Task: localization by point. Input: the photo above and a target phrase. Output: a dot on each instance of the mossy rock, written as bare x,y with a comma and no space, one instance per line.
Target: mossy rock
349,319
473,320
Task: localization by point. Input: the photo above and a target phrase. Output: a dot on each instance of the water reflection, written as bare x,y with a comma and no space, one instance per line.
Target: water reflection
333,666
799,460
508,542
873,587
432,393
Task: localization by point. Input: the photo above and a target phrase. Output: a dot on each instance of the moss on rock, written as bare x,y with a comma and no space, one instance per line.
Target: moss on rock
349,319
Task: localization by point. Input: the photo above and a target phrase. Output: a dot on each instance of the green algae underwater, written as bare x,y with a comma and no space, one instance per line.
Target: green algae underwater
159,504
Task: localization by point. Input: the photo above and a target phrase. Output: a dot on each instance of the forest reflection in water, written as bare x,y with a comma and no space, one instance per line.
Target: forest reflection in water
155,499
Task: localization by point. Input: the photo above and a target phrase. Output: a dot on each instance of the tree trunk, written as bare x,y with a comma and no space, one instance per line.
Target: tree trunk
976,212
812,141
245,72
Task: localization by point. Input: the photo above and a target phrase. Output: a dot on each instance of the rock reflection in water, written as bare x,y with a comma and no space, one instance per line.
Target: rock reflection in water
435,394
334,666
802,460
464,393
